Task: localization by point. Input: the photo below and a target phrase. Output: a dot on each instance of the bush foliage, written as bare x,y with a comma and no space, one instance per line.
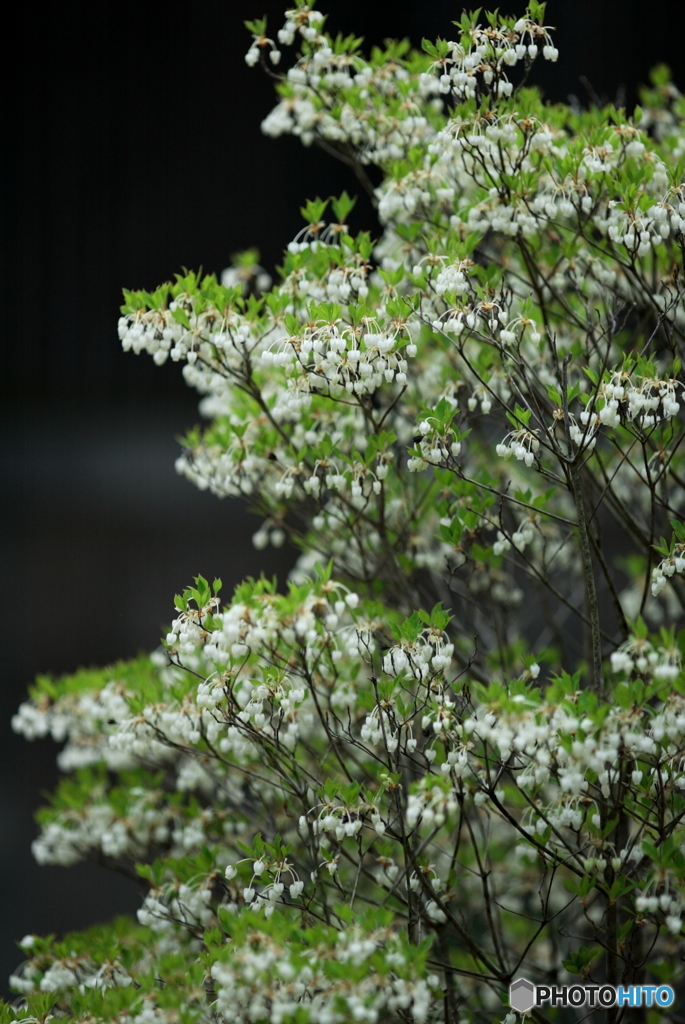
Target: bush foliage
450,750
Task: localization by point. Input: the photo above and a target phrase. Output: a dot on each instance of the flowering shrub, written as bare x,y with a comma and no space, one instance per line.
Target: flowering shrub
452,750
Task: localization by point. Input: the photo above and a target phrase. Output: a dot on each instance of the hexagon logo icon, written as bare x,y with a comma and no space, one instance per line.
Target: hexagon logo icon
522,995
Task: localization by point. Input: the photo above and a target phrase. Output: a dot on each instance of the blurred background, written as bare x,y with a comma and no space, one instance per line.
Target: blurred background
133,148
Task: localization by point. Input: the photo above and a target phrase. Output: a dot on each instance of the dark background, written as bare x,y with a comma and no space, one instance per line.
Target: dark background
132,148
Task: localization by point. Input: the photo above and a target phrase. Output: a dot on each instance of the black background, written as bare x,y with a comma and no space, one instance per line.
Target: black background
133,148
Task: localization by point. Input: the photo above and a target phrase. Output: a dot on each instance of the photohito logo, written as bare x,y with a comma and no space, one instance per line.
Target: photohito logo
524,995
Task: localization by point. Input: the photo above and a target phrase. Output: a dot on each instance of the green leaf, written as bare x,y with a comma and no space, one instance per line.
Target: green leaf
342,207
181,317
313,210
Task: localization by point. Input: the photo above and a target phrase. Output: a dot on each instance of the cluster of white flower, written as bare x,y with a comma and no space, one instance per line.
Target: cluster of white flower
435,447
489,145
481,394
453,321
84,719
160,726
489,52
316,104
585,436
401,200
341,821
524,535
303,20
340,283
148,823
187,631
381,726
429,654
260,42
234,469
67,973
221,342
262,703
241,629
502,544
639,230
360,482
483,150
522,443
671,905
667,567
335,356
264,980
288,713
317,361
186,907
431,804
271,892
646,402
533,739
451,277
151,331
639,655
